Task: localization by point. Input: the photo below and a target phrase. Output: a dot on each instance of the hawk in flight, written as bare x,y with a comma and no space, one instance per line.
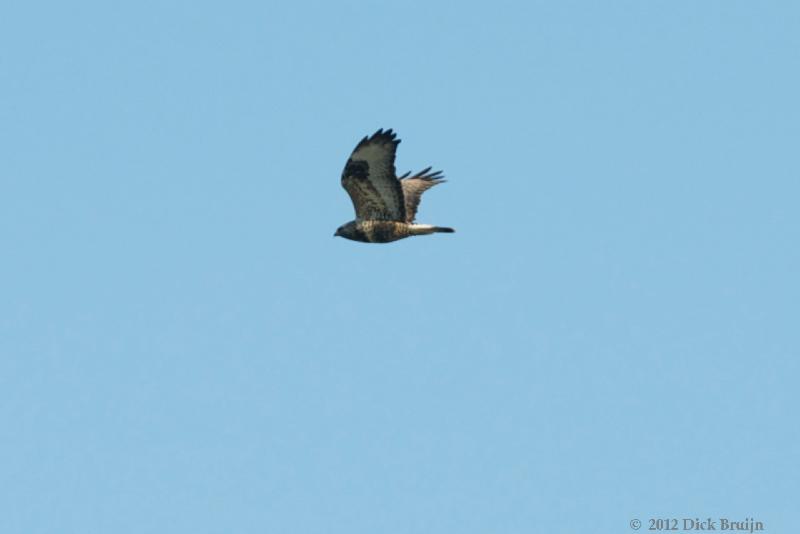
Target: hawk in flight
385,204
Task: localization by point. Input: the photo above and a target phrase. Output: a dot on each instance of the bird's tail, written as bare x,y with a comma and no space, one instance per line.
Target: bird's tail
425,229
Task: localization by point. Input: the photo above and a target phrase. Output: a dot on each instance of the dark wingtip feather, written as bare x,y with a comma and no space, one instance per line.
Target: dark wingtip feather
384,135
437,176
380,136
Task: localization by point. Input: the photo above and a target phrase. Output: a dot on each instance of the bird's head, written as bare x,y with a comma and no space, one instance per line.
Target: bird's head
349,231
343,230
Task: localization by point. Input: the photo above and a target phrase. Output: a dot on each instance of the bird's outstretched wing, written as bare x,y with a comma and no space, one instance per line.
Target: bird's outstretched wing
414,186
370,180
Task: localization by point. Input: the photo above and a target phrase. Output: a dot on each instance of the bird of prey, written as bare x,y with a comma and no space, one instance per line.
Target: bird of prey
385,204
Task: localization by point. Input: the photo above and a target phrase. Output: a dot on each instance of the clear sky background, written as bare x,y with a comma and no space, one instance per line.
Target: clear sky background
611,334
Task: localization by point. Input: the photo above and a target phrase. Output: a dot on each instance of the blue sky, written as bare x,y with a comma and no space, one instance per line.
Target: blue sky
611,334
